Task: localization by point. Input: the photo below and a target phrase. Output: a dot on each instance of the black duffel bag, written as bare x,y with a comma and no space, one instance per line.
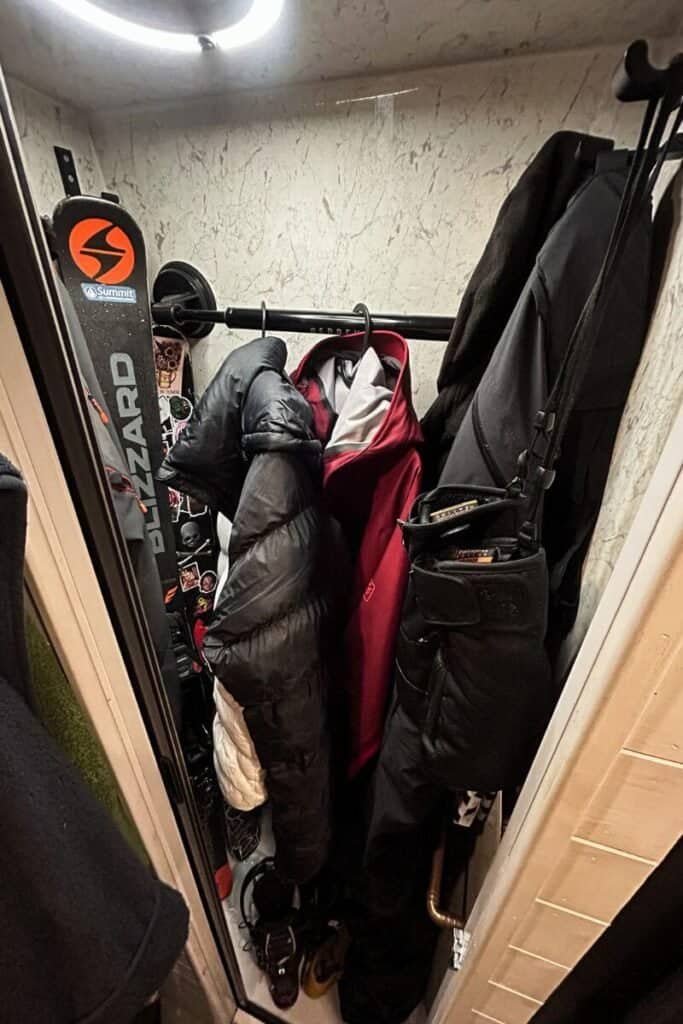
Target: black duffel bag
471,662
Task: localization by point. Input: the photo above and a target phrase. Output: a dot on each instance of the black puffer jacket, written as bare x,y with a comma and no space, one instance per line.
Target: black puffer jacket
249,452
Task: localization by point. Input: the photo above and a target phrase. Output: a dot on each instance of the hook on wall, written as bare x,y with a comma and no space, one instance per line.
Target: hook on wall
637,79
361,308
264,313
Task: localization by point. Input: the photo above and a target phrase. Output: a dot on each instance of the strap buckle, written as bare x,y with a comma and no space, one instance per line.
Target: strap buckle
545,478
544,422
543,426
528,535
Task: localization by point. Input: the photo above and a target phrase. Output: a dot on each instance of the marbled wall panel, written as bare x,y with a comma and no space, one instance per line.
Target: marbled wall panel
43,123
380,190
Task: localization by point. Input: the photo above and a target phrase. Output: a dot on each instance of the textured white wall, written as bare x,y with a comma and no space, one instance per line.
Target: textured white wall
43,123
380,190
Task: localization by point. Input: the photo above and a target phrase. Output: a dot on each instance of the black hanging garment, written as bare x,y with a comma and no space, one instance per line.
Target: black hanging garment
189,602
464,616
87,933
249,452
194,530
497,424
528,213
474,687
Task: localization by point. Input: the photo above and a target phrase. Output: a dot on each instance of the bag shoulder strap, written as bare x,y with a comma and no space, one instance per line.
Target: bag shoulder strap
536,465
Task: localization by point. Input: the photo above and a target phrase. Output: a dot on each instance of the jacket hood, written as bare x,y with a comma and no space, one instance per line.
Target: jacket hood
398,428
250,407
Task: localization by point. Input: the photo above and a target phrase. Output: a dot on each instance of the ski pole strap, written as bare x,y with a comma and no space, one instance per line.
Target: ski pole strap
638,187
536,472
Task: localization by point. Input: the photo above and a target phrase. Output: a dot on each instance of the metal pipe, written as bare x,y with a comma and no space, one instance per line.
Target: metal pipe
306,321
440,917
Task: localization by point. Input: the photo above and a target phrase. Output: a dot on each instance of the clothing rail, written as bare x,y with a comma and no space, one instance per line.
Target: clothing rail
304,321
184,299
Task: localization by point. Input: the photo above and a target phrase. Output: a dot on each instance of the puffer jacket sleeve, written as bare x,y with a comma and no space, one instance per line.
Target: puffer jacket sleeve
207,460
267,641
238,769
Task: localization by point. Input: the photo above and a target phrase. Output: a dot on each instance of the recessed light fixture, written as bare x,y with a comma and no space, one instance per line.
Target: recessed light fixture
260,17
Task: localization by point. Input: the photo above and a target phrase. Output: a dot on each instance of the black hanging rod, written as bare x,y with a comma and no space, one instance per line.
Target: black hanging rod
183,298
305,321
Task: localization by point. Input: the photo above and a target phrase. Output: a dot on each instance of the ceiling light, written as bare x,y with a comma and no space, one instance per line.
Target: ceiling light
258,20
260,17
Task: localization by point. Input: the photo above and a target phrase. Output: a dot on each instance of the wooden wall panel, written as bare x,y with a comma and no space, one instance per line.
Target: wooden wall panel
555,934
660,730
593,880
531,975
633,808
507,1006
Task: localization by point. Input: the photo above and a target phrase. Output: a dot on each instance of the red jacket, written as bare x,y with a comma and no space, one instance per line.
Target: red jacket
369,486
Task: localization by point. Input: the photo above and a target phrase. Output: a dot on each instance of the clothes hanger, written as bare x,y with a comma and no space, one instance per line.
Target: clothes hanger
263,318
361,308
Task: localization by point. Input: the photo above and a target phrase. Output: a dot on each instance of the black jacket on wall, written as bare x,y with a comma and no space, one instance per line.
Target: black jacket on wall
496,426
528,213
249,452
86,933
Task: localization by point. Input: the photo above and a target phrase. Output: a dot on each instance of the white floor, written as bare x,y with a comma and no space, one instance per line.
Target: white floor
305,1010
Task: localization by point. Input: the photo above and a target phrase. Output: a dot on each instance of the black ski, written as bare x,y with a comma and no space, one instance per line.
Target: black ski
102,260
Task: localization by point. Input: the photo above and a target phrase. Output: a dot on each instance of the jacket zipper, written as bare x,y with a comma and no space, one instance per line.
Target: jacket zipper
484,447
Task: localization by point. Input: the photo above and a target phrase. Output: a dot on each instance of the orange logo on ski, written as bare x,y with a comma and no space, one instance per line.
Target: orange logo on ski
102,251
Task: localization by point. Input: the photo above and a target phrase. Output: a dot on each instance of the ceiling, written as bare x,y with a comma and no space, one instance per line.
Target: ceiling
314,40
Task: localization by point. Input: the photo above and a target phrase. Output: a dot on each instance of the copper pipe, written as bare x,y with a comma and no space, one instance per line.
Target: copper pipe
438,916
